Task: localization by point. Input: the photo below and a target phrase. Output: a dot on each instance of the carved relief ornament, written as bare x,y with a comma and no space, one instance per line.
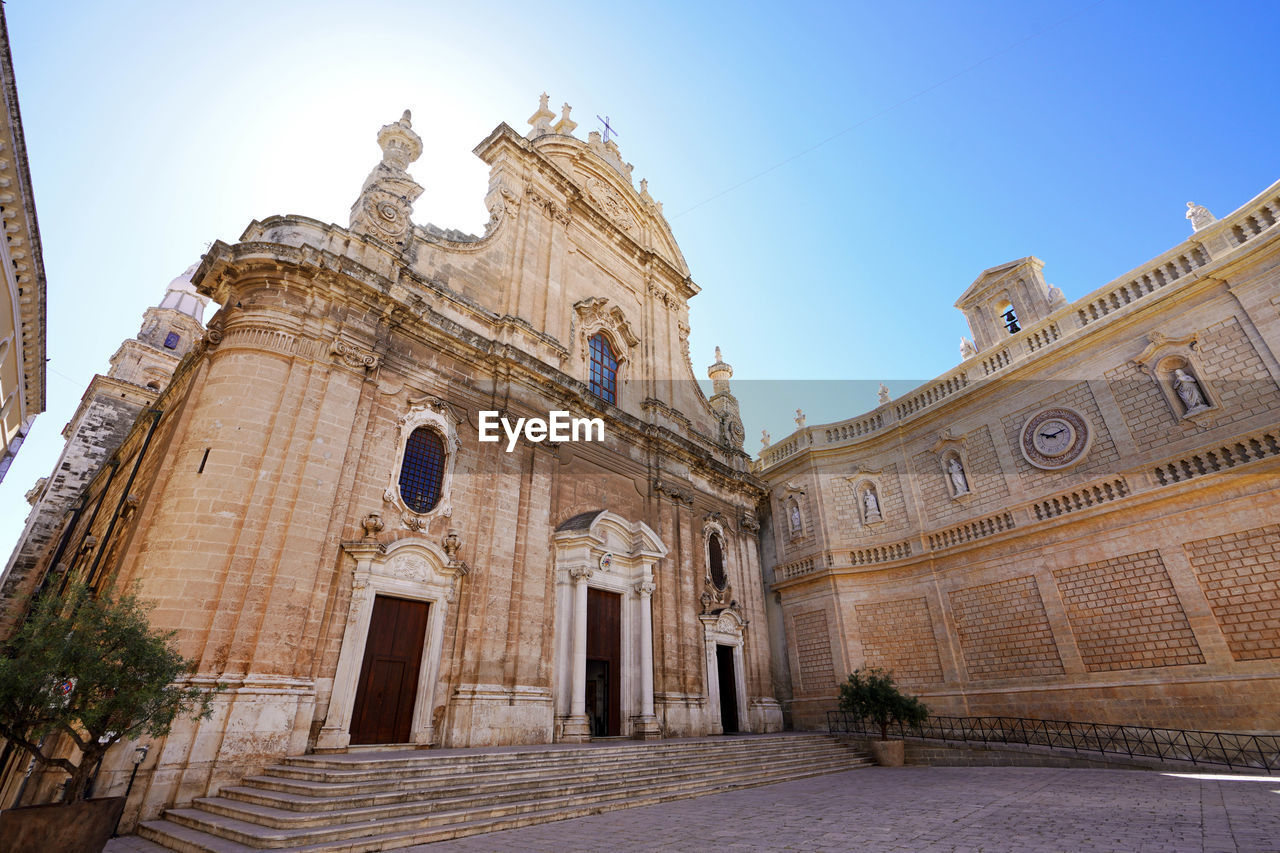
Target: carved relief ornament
615,209
594,315
352,356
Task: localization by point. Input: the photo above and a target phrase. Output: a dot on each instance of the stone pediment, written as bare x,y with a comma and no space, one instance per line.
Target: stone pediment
604,183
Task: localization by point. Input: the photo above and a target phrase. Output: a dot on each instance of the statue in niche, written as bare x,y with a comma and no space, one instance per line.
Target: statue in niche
1200,216
871,504
959,483
796,524
1188,391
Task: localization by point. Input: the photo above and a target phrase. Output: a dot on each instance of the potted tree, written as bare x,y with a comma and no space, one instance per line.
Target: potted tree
84,672
871,694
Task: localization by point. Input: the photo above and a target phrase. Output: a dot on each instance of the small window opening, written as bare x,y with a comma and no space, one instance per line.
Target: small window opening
715,556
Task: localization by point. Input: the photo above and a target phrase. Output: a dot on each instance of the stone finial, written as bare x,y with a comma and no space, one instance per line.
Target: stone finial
765,441
385,205
799,419
451,543
540,122
400,145
1200,216
372,524
720,374
565,125
883,394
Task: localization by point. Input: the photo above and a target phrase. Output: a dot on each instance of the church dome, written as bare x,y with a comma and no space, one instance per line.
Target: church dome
181,296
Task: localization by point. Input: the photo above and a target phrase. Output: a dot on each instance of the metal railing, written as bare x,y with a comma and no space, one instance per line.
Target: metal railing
1236,751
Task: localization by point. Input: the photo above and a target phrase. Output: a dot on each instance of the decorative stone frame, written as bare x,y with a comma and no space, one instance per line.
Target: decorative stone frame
714,597
435,414
619,556
725,628
949,447
409,568
1162,356
1082,439
786,501
860,480
593,315
713,527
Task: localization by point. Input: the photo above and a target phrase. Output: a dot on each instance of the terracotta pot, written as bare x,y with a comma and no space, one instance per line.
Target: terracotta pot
888,753
83,827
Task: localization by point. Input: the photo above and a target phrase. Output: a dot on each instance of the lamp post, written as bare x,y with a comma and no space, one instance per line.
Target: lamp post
139,756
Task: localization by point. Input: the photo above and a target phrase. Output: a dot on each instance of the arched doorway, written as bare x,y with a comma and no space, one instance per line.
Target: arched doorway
604,627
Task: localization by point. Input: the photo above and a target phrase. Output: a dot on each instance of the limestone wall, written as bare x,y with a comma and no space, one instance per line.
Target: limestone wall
1130,579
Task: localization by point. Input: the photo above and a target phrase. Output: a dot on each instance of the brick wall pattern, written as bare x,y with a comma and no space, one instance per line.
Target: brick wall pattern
1125,614
1240,575
1004,631
813,650
898,636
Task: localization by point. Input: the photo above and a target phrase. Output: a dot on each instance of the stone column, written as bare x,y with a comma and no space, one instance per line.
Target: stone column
645,725
577,727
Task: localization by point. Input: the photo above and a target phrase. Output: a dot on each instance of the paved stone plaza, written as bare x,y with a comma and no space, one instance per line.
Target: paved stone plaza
935,808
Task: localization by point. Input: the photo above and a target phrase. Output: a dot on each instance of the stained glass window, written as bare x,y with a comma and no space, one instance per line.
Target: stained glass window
604,369
422,471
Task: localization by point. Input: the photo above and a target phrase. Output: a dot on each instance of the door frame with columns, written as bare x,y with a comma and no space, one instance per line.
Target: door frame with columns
408,568
725,628
605,551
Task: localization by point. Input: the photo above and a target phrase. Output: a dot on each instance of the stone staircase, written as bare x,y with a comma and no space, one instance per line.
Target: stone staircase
362,801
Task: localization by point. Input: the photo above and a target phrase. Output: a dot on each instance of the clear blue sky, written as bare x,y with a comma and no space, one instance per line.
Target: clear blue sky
836,173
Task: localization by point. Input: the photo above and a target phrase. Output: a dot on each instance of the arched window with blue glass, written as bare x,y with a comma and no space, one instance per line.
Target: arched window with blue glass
603,378
422,471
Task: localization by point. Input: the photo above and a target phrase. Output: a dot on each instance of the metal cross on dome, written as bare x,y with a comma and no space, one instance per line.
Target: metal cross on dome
608,128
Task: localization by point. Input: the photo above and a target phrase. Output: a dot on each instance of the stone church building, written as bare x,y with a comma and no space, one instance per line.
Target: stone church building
1079,520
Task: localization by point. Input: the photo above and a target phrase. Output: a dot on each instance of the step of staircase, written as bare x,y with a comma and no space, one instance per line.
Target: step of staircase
365,801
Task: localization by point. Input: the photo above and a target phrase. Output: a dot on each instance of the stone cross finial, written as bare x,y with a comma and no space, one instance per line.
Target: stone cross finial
541,120
565,125
1200,216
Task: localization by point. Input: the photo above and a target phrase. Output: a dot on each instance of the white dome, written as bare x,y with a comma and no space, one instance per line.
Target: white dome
181,296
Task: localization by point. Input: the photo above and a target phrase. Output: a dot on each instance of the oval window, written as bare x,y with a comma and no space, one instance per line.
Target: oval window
715,559
422,471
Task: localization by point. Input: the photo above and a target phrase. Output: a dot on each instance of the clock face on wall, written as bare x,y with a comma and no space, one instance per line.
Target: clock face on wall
1055,438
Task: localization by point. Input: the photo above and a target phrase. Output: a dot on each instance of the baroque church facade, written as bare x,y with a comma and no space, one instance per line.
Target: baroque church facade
1052,529
309,504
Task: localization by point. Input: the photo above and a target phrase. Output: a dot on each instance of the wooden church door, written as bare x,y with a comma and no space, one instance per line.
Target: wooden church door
388,682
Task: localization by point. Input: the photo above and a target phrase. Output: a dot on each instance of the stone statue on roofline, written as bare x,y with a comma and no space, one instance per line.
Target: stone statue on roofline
1200,216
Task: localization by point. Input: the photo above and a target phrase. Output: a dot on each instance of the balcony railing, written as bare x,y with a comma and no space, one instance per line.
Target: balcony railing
1224,749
